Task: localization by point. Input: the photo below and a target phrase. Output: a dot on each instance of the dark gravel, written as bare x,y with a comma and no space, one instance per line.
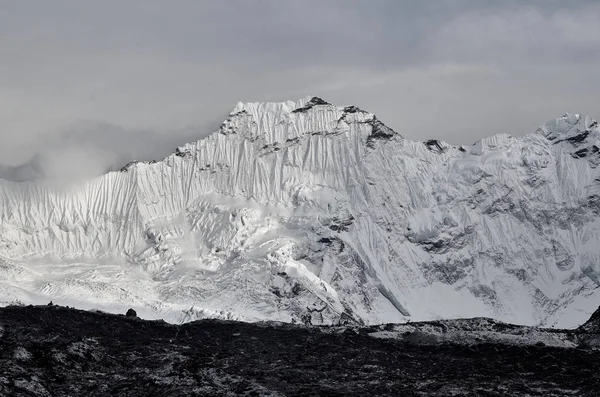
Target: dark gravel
55,351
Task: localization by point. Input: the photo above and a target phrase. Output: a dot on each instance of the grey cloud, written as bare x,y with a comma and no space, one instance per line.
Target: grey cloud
144,72
87,149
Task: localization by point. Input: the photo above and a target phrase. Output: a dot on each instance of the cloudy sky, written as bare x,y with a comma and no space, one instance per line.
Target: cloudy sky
125,79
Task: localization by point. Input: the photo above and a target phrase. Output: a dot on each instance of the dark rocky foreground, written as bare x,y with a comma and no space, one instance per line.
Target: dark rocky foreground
55,351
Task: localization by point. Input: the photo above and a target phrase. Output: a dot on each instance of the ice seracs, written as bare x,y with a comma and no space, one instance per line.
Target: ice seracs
303,211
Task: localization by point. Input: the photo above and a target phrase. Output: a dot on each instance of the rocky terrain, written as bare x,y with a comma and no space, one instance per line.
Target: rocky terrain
57,351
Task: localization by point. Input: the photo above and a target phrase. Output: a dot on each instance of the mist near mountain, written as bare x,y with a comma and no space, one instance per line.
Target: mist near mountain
89,149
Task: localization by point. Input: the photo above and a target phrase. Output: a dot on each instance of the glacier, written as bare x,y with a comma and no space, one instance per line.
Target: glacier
307,212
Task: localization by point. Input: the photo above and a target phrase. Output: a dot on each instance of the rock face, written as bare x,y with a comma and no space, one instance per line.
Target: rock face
313,213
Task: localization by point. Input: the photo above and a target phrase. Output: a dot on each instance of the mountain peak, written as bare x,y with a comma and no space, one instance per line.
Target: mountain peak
278,122
312,102
304,211
298,106
571,127
283,106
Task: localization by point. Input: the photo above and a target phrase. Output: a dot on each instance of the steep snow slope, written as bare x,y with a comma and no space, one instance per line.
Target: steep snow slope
308,212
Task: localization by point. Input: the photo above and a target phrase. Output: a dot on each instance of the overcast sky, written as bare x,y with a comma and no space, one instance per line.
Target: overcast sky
112,79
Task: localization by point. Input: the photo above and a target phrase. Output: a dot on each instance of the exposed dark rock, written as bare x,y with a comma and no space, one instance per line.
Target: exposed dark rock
269,149
437,245
575,139
580,153
578,138
206,167
593,324
339,225
226,127
131,313
180,152
65,352
350,110
379,131
593,203
315,101
446,272
435,146
129,165
484,293
502,205
588,334
353,109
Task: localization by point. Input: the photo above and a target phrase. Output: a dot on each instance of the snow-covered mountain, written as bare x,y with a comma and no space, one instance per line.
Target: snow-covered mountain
309,212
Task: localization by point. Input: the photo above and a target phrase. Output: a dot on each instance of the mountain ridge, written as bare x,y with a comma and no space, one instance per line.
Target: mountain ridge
308,212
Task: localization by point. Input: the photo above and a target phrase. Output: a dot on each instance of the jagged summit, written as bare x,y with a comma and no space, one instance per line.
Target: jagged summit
580,132
303,211
312,102
266,116
571,127
297,106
